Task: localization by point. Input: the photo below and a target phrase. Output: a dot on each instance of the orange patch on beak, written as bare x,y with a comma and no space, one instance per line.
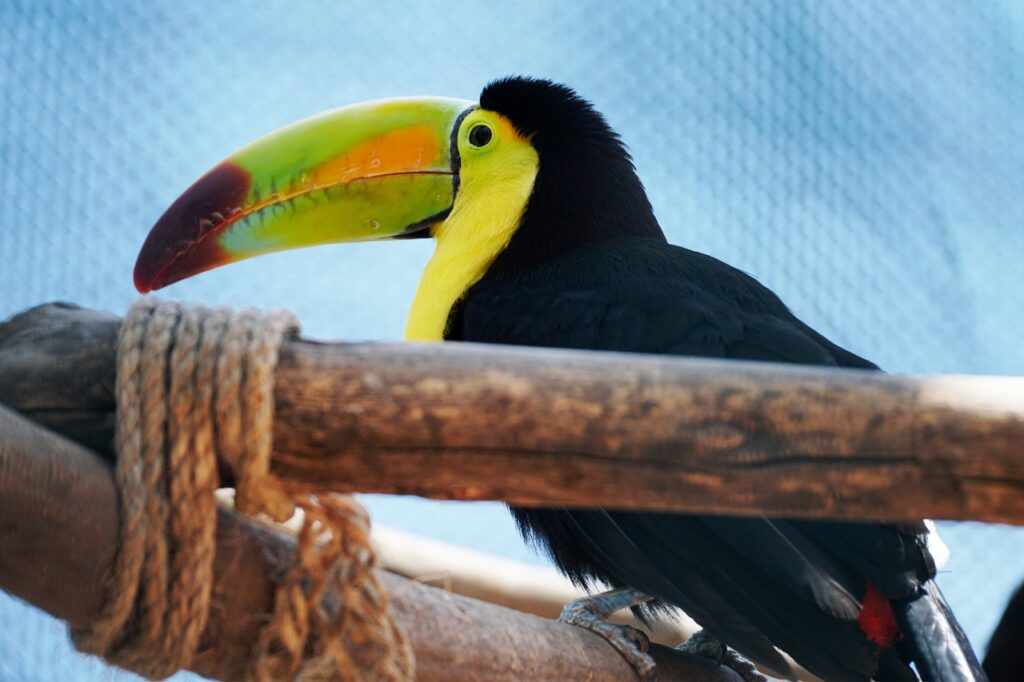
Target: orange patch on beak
395,153
402,151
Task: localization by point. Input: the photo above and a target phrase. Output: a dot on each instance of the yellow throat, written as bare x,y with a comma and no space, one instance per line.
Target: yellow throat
495,186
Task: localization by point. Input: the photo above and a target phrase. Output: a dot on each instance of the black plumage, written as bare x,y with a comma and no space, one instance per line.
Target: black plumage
589,268
1004,659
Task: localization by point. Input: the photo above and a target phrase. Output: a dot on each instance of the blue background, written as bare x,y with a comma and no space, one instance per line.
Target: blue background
864,159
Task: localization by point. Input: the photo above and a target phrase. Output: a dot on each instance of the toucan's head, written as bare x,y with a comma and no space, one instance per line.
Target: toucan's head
531,166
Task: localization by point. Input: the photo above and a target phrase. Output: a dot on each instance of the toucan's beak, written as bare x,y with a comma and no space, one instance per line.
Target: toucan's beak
369,171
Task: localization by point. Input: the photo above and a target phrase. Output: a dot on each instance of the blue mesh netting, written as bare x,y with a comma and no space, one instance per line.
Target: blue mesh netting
863,159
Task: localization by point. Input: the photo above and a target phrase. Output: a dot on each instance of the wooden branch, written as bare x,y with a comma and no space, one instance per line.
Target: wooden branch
58,534
553,427
539,590
530,588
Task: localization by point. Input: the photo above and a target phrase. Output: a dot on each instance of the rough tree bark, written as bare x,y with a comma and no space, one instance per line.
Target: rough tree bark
555,427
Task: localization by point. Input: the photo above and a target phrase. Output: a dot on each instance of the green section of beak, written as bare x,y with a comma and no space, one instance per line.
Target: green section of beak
368,171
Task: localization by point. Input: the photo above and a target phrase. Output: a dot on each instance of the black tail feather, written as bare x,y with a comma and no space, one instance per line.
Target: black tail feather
893,668
934,639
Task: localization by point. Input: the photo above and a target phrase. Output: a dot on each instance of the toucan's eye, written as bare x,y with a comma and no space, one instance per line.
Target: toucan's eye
480,135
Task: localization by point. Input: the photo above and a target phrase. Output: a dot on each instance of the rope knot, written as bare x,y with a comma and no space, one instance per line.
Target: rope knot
194,386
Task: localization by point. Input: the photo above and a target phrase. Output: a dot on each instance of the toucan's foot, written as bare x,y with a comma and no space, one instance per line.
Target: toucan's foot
592,613
703,644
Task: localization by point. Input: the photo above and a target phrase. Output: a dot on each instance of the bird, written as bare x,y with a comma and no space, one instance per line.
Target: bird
1004,659
544,236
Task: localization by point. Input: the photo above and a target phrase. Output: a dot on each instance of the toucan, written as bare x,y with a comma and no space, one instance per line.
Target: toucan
1004,659
545,237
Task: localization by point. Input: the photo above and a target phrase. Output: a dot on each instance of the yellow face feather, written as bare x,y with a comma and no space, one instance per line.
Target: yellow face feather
496,180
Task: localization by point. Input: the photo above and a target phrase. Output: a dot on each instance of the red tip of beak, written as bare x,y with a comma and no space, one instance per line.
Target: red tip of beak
180,243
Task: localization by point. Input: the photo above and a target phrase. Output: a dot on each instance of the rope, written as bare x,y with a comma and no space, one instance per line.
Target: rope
195,386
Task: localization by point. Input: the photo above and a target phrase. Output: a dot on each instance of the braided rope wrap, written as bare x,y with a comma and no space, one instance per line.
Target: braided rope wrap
195,385
333,558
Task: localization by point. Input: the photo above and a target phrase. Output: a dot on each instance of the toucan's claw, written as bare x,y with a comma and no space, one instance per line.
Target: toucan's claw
708,646
592,612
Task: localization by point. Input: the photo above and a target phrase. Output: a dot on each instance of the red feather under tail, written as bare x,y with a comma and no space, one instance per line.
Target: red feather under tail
876,619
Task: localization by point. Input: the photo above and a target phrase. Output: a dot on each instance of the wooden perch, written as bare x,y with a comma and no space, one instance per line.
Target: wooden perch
539,590
58,535
555,427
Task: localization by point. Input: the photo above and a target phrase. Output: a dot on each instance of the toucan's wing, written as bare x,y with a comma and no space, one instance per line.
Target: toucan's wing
643,297
799,583
893,558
